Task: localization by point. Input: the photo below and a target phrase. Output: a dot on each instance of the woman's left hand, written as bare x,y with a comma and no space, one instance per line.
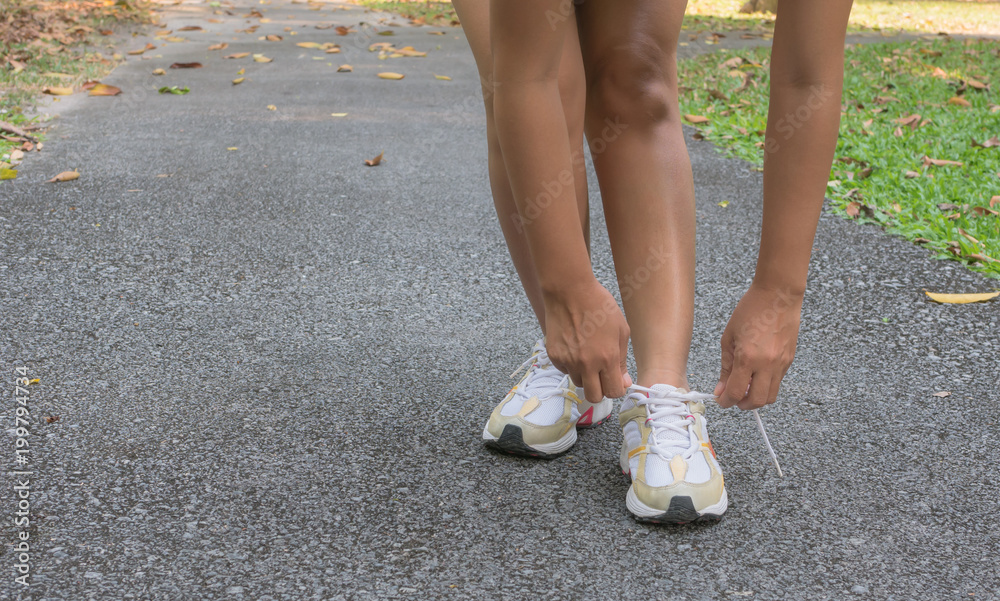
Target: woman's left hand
758,346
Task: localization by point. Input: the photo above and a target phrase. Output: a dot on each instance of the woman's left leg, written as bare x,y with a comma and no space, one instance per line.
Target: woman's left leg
634,130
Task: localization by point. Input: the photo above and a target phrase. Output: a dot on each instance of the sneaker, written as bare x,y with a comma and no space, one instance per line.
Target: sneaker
675,476
540,415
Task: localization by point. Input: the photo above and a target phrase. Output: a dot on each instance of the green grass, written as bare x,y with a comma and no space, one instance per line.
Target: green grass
432,12
925,16
31,40
920,77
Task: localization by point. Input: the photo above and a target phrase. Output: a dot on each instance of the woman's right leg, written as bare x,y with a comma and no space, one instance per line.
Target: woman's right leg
475,18
540,415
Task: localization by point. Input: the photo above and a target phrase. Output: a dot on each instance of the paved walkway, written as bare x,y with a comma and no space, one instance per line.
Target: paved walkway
272,365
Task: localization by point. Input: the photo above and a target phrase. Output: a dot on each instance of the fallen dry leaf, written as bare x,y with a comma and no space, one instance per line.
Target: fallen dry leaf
219,46
102,89
853,209
959,101
981,257
410,51
442,77
65,176
977,85
159,72
338,114
992,142
316,45
696,119
968,236
995,201
238,55
271,107
961,299
942,394
911,174
57,91
911,121
273,38
341,30
260,58
175,39
186,66
190,28
391,75
238,81
940,162
375,161
345,69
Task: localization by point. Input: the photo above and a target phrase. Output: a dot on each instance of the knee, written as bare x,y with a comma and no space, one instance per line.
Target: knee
635,83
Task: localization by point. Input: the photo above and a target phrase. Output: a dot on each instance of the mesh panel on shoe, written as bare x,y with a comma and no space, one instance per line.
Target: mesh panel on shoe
512,406
698,469
548,412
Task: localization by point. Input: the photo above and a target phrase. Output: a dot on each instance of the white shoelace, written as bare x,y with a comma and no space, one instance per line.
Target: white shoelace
541,374
669,431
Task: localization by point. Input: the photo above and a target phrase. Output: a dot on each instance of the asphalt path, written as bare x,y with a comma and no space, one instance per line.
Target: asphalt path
271,365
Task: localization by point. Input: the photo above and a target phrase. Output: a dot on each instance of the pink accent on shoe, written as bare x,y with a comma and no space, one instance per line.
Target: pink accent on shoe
587,418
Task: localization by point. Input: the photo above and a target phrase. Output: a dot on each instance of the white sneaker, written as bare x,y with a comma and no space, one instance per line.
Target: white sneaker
540,415
675,476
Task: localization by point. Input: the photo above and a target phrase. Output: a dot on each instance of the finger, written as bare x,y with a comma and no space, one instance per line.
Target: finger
575,378
760,386
726,364
736,387
772,396
592,387
611,384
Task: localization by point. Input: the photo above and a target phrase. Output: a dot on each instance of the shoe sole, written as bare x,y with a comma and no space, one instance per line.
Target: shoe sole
680,511
511,440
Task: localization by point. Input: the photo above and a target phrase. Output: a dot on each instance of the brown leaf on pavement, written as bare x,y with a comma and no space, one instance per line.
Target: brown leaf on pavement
376,160
960,299
57,91
219,46
238,55
65,176
102,89
341,30
345,69
391,75
186,66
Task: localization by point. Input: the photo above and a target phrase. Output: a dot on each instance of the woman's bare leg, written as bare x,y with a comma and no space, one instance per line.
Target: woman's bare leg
474,15
634,128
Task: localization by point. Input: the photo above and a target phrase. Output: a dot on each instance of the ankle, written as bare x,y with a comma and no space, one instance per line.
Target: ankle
650,377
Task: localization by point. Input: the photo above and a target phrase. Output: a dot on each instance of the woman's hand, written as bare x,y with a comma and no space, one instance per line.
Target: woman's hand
586,337
758,347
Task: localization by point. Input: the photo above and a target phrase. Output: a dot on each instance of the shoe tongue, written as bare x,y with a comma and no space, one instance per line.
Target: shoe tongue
544,376
666,389
668,436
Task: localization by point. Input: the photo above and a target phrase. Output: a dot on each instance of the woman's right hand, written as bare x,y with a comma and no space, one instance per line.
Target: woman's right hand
586,337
